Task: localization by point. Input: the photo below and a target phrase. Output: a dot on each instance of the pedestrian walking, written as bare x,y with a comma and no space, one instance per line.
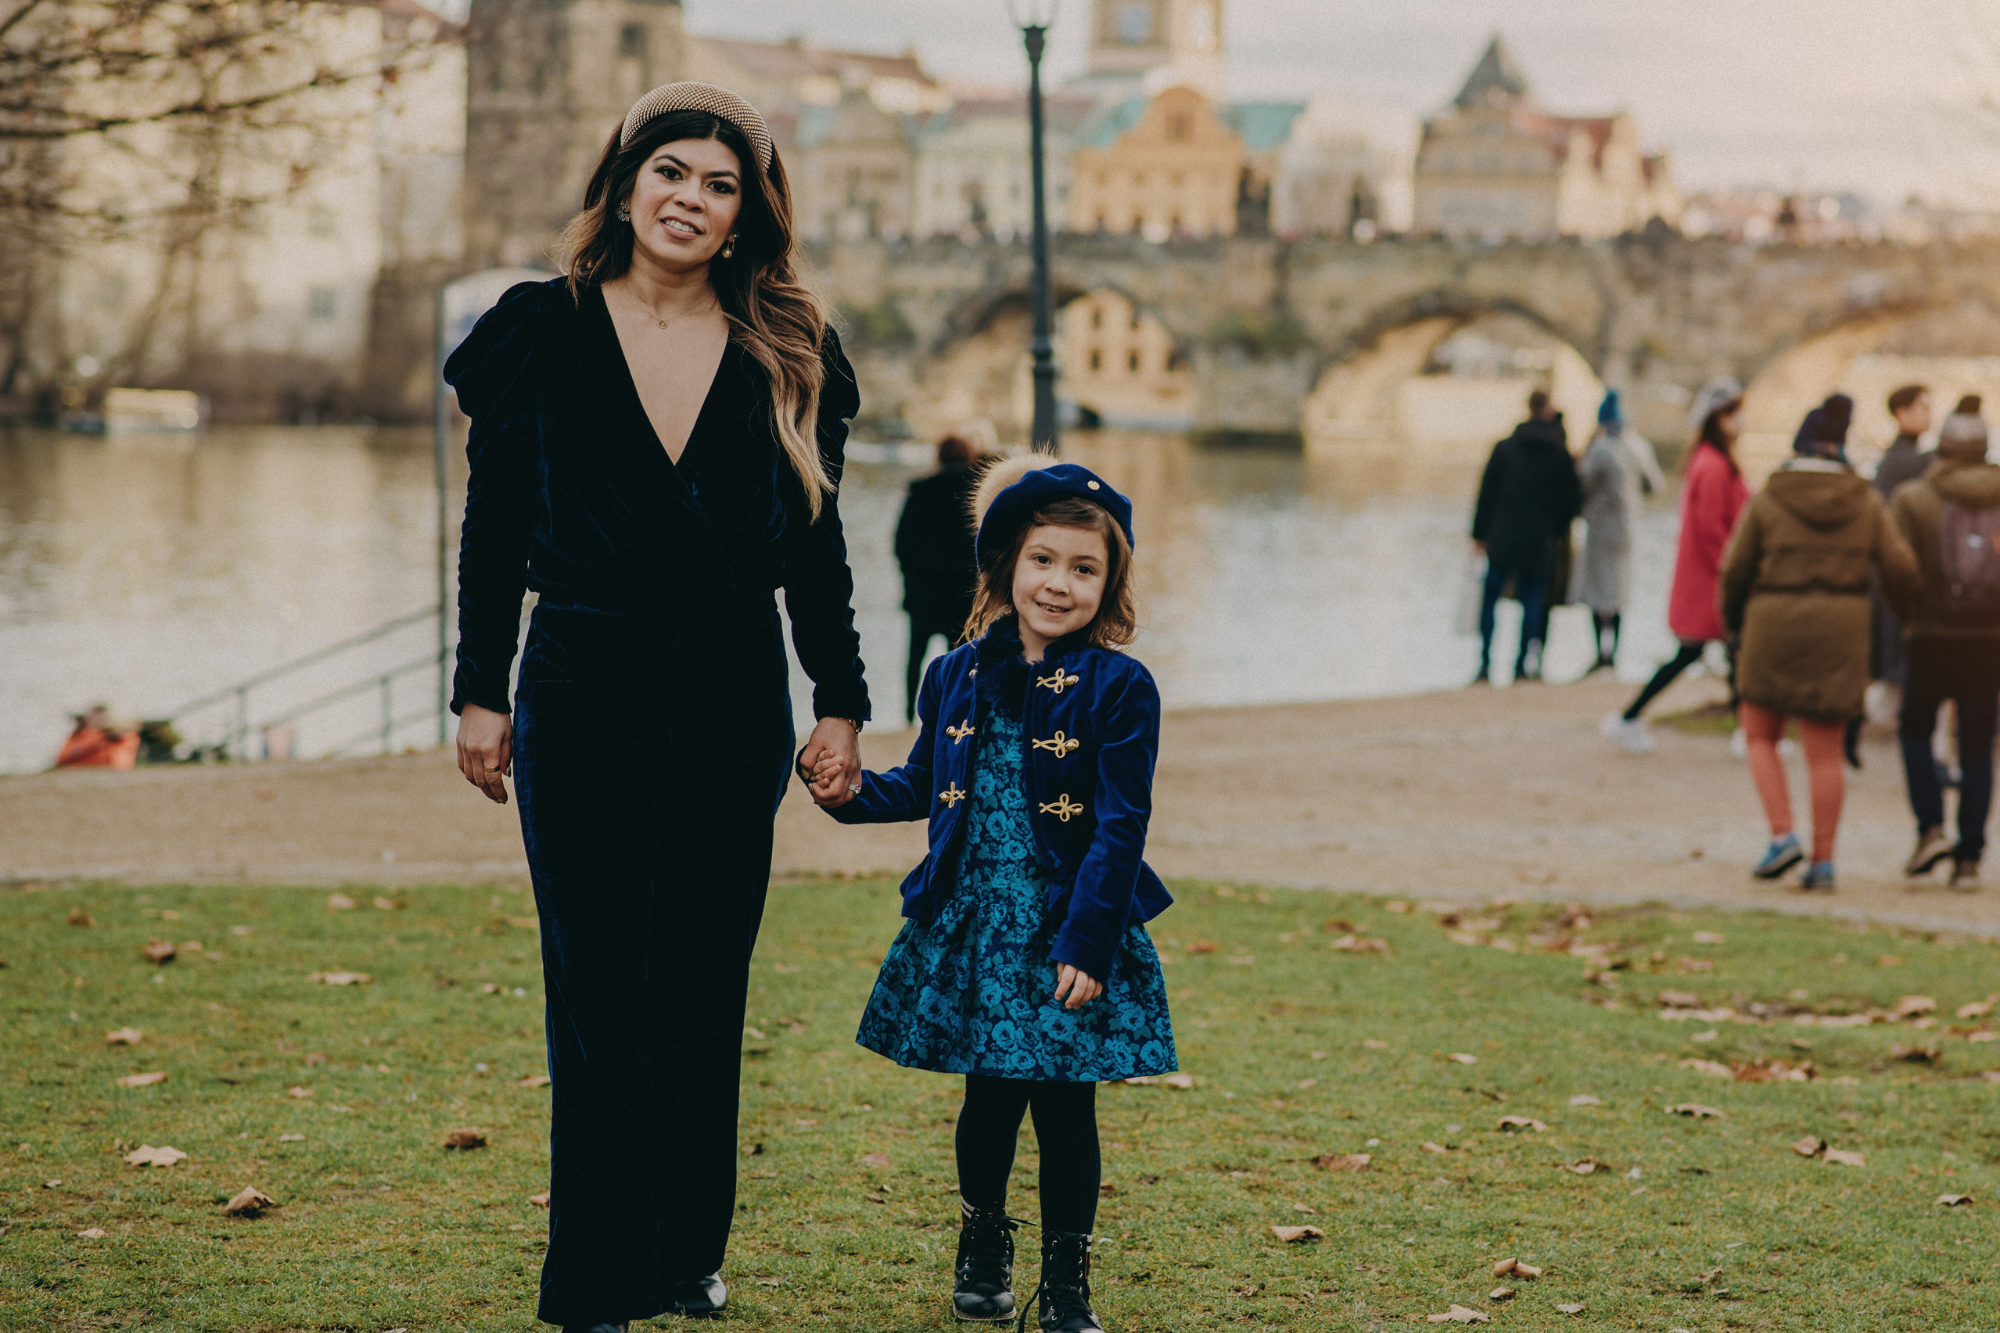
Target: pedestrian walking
1713,494
1617,468
1024,965
1528,496
656,448
1951,518
1902,461
1795,587
934,550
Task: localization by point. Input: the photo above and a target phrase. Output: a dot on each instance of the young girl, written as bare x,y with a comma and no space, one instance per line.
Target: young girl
1023,964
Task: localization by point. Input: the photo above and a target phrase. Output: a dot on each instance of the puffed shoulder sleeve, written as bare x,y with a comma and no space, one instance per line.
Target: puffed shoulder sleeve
492,372
819,585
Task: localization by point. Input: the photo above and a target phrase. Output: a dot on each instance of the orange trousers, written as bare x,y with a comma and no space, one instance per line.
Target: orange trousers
1762,729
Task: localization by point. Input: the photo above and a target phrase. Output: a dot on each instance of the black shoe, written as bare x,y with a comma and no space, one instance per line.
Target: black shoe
983,1277
1064,1290
699,1297
593,1328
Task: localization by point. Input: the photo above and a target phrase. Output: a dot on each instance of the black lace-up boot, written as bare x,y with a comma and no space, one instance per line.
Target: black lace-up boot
1064,1290
984,1274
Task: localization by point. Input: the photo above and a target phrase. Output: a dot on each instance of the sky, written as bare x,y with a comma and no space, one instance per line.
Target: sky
1883,97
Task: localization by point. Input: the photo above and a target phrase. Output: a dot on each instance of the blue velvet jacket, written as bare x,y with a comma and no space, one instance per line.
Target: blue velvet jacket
572,495
1092,719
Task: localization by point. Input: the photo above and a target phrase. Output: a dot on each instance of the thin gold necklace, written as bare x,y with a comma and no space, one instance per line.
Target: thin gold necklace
665,323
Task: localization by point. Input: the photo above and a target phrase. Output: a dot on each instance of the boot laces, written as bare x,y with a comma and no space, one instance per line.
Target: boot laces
986,1245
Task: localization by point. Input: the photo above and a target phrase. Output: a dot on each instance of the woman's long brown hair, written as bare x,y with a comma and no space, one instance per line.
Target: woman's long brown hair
1711,434
770,312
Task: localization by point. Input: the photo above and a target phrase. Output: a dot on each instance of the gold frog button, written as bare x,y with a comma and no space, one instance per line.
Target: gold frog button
1058,682
1062,808
959,732
1063,746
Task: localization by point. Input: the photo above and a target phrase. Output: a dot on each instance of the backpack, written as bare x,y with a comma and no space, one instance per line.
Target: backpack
1969,554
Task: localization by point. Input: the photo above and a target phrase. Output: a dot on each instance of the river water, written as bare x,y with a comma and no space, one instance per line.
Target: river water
145,571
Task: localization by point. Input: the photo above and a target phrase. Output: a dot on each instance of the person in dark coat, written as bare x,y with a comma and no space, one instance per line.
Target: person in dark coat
1527,499
656,449
934,548
1888,659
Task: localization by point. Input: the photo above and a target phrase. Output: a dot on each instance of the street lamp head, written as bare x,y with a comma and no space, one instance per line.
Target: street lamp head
1033,13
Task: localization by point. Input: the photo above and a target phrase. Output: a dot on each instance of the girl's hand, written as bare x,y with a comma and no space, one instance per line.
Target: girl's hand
833,756
486,750
1081,986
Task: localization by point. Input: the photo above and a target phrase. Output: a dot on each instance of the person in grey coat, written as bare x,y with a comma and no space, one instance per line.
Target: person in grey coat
1617,468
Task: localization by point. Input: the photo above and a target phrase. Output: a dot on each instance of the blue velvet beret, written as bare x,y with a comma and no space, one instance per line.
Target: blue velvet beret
1002,515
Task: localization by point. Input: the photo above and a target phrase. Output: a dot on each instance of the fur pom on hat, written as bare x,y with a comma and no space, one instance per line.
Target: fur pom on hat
1963,435
1011,490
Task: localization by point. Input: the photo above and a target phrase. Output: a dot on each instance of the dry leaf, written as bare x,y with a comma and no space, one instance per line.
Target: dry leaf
1697,1110
340,902
767,1281
1504,1267
1953,1200
1707,937
1686,964
1912,1005
388,905
1835,1157
1394,906
1523,1122
1500,1294
143,1080
878,1160
1356,944
298,1092
1570,1308
1679,999
291,1138
1461,1058
534,1081
249,1202
1181,1081
342,978
1353,1161
1584,1166
1459,1314
1923,1055
1374,1045
91,1233
1201,946
1762,1070
1977,1009
147,1155
1293,1235
159,951
1435,1147
1715,1067
465,1138
1810,1146
78,917
1339,925
539,1200
123,1037
1584,1099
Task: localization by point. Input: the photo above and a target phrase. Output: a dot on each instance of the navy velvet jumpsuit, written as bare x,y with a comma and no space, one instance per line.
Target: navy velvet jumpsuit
652,744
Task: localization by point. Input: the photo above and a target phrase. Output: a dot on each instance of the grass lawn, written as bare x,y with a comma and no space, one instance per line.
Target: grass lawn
1298,1050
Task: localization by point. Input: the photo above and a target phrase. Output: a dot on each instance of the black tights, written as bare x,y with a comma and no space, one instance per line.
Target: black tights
1066,1129
1603,622
1689,653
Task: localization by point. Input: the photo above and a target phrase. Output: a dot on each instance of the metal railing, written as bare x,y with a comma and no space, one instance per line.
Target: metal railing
239,728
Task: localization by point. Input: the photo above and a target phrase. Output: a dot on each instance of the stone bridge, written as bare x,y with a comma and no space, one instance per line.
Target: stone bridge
1260,322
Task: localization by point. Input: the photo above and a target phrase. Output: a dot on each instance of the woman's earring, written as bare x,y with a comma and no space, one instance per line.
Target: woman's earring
729,246
624,215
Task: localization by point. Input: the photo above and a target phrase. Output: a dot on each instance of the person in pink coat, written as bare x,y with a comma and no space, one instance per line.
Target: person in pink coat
1712,498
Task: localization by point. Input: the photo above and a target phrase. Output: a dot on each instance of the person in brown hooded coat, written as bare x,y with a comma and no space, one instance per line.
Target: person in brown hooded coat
1795,587
1951,516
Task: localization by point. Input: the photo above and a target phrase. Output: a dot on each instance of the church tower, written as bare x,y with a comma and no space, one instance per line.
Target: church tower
1151,44
547,81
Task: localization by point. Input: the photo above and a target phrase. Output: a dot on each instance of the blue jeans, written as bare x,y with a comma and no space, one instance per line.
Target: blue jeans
1531,591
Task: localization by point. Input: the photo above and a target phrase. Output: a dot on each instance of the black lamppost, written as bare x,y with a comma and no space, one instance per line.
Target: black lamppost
1034,18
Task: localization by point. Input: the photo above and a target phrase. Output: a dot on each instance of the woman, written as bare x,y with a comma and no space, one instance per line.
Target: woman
1795,585
656,447
1616,468
1712,496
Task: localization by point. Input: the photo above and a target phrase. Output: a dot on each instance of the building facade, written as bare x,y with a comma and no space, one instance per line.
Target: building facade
1496,164
1141,46
1347,168
973,173
1165,167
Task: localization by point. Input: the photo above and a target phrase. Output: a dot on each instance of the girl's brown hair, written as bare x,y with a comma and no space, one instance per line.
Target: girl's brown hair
1117,621
770,312
1711,435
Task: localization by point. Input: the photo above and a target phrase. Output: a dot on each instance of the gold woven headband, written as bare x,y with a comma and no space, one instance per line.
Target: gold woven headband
718,102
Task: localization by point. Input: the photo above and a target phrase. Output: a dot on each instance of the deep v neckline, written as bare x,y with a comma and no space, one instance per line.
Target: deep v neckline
637,404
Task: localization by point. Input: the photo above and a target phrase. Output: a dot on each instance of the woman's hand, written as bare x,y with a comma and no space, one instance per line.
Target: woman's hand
486,750
833,756
1081,986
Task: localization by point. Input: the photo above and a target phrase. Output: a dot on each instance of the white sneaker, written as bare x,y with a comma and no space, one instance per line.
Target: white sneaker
1739,747
1631,735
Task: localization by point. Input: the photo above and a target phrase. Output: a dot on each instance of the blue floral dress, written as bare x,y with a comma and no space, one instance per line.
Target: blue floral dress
972,992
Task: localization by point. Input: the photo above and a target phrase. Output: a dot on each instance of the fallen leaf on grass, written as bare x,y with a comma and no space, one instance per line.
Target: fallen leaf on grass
1305,1208
878,1160
1810,1146
1679,999
534,1081
1201,946
1762,1070
291,1138
1516,1268
159,951
341,978
1293,1235
123,1037
1461,1058
539,1200
1356,944
91,1233
1697,1110
1953,1200
1715,1067
1584,1099
1583,1166
1923,1055
1352,1161
298,1092
78,917
1707,937
1570,1307
147,1155
1835,1157
143,1080
340,902
388,905
465,1139
1339,925
1459,1314
1395,906
1510,1122
1977,1009
1500,1294
1374,1045
1686,964
249,1202
1912,1005
767,1281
